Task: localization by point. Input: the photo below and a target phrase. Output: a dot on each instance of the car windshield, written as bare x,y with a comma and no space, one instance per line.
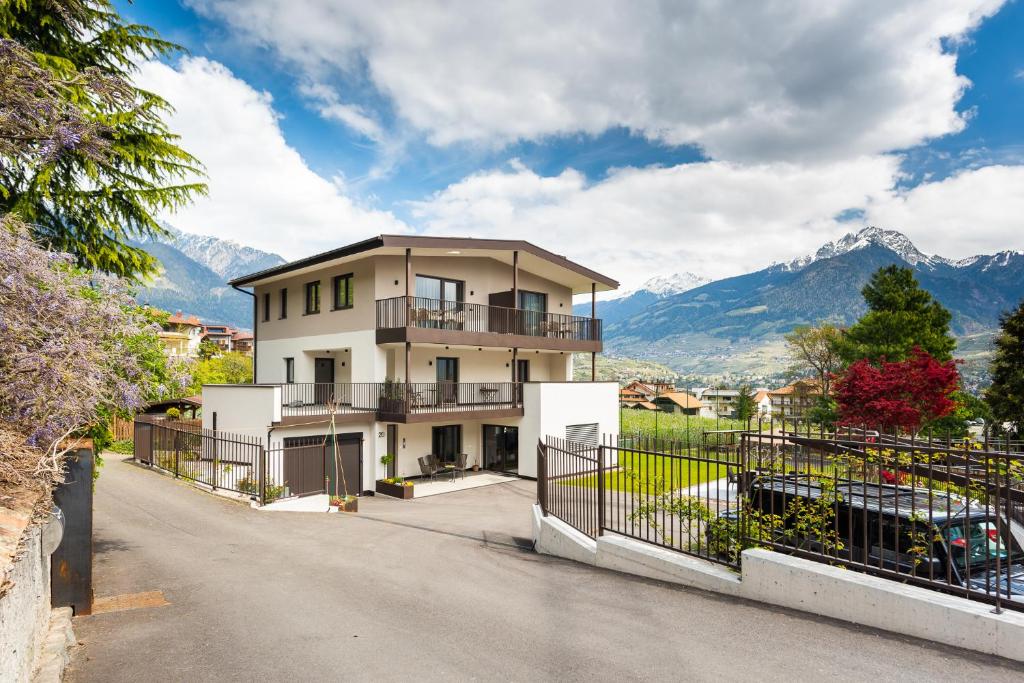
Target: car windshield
978,544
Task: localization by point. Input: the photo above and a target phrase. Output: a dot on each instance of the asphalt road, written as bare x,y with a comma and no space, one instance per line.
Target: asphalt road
441,588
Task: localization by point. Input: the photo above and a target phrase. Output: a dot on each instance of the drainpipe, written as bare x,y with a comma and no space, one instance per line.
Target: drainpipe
255,333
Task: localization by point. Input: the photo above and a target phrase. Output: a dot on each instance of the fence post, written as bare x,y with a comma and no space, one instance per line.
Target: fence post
263,475
600,490
177,452
542,478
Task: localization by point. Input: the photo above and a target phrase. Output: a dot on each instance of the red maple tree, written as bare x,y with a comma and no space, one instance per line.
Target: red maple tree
904,394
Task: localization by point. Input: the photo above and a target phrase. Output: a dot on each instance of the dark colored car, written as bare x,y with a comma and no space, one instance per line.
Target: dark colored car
911,530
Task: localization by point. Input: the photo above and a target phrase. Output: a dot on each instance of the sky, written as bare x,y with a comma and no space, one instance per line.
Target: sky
639,139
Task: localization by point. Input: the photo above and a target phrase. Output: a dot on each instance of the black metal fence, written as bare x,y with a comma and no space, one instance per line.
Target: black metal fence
942,514
401,311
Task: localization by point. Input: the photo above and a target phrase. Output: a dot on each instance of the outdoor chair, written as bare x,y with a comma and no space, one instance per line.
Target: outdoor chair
427,466
460,464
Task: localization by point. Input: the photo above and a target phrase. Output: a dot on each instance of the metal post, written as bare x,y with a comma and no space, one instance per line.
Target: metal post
263,475
177,451
600,490
515,279
593,326
542,477
408,362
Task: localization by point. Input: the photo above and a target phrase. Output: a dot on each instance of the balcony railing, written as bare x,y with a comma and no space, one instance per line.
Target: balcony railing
397,398
401,311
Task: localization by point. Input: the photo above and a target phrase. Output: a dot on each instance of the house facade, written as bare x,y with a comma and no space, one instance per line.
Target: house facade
678,402
795,400
718,403
181,335
415,345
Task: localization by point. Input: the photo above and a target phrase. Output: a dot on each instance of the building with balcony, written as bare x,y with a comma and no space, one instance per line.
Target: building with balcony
416,346
794,401
181,335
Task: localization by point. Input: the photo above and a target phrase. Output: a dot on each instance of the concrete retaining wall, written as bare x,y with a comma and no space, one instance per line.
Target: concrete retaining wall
787,581
24,608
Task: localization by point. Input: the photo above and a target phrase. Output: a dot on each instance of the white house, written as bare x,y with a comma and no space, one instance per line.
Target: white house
419,345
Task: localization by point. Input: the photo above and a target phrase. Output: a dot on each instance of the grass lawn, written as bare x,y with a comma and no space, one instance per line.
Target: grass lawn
652,470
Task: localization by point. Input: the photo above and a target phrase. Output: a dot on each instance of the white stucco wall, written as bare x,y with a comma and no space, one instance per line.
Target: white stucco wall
548,408
247,409
364,360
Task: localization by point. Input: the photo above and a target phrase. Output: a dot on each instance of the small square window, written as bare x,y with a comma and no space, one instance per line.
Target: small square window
312,297
343,295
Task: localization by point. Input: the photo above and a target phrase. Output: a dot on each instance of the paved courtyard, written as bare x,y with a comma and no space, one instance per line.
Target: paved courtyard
439,588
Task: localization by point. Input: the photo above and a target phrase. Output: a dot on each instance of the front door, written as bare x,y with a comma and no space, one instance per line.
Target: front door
447,380
501,448
446,442
323,376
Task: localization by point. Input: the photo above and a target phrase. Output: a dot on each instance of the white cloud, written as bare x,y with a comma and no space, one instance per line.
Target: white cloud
977,211
714,218
796,80
262,193
719,219
330,106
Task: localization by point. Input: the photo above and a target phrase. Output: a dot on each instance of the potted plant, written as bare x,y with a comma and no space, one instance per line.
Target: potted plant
345,503
392,397
396,487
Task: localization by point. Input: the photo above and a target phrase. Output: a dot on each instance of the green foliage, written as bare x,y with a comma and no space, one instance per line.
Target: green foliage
207,350
900,316
230,368
82,203
124,447
814,351
1005,397
745,406
825,412
672,426
173,414
251,485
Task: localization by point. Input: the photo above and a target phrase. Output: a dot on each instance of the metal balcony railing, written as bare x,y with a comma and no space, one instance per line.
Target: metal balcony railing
397,398
401,311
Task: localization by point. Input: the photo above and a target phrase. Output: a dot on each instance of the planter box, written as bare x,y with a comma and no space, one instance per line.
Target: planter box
347,505
394,490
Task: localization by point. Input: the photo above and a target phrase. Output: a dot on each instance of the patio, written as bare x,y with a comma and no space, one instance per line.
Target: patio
445,484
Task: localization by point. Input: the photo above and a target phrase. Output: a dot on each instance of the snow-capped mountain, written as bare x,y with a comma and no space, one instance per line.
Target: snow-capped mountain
892,240
666,285
227,258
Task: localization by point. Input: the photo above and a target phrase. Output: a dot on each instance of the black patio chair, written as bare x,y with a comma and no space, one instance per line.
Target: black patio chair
460,464
428,466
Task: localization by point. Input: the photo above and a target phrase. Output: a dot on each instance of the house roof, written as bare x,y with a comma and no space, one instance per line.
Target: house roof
680,398
545,262
180,319
241,336
647,405
761,395
805,385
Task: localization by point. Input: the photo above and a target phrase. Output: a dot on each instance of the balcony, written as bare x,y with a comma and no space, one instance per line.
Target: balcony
433,321
398,402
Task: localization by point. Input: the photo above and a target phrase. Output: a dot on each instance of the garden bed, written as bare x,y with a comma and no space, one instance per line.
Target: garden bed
401,490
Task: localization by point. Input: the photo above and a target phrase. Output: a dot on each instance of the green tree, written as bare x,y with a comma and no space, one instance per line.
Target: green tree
207,349
87,204
1005,396
814,351
229,368
900,316
745,406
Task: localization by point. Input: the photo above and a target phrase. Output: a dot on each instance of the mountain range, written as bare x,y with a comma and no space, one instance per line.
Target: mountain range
703,329
194,270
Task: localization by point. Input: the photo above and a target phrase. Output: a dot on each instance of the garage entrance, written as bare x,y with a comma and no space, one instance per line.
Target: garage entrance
312,463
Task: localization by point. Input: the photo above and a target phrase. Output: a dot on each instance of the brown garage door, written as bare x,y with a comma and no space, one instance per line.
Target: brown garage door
312,464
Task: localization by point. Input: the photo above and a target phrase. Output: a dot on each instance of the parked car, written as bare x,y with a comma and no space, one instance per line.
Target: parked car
911,530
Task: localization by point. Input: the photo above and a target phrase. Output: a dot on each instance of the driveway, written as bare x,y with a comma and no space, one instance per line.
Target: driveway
440,588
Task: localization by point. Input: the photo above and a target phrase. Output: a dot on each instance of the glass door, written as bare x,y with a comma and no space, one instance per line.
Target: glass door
447,380
438,302
501,448
534,307
446,443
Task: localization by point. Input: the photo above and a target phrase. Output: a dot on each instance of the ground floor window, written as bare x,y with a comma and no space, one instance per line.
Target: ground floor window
446,443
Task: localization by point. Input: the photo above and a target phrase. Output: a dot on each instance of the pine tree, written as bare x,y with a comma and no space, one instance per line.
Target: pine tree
745,406
86,204
900,317
1005,396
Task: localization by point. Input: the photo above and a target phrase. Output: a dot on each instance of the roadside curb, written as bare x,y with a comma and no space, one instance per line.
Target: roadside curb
55,653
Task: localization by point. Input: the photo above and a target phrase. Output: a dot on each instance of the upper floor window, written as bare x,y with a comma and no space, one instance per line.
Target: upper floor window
428,287
343,296
284,304
266,307
312,297
289,370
